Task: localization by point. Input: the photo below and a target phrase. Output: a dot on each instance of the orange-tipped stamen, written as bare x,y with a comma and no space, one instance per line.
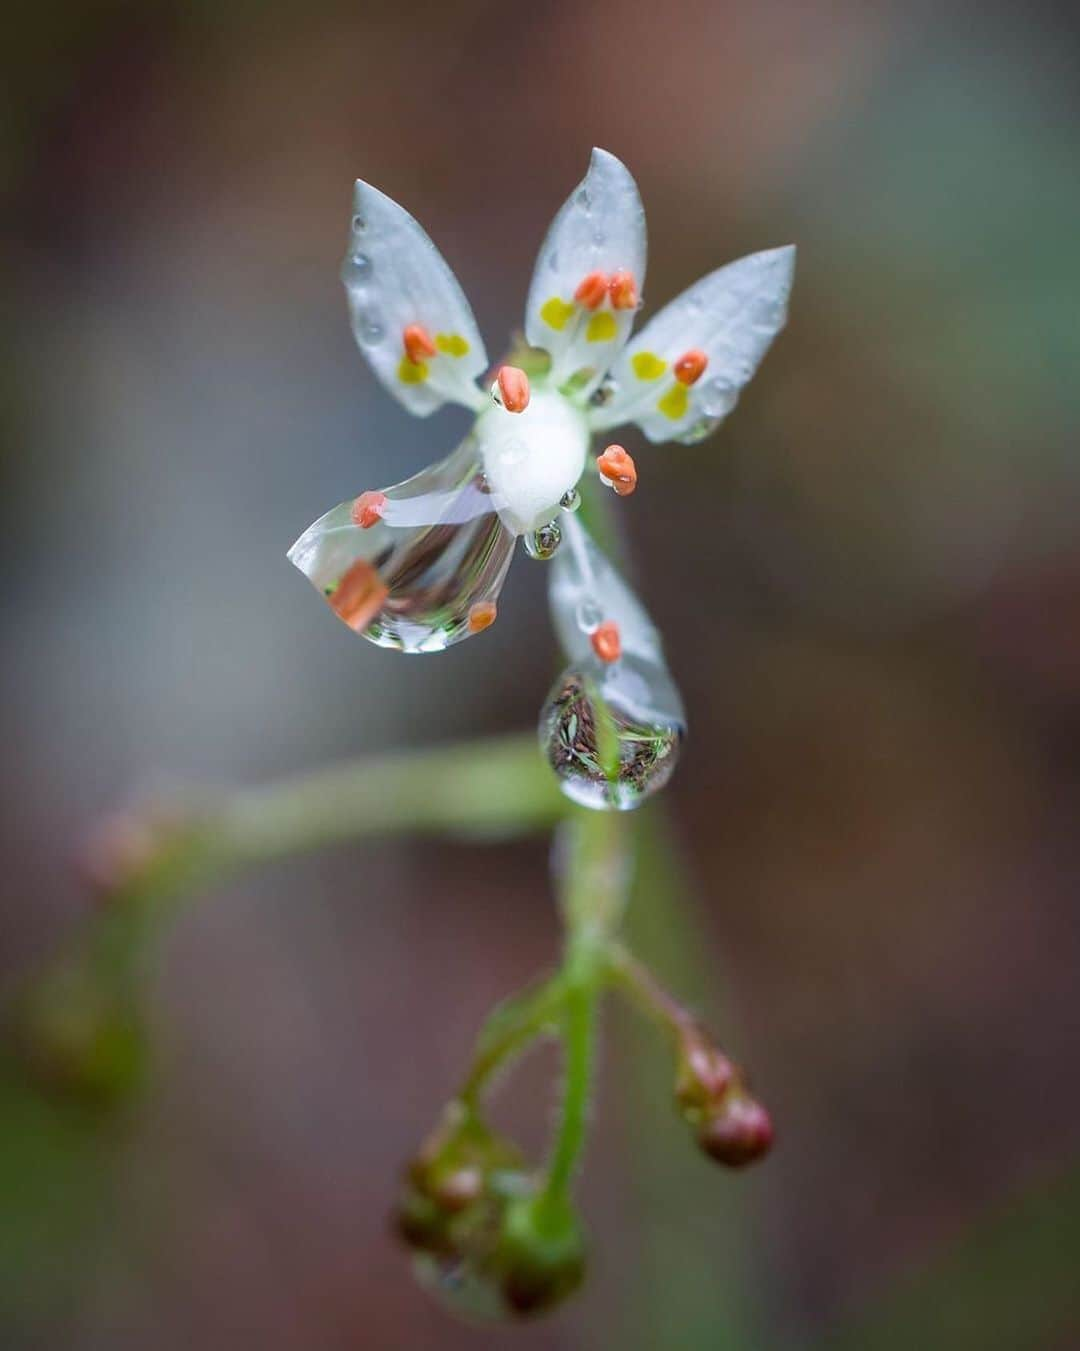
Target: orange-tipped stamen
417,343
690,367
481,616
593,290
623,289
367,509
618,470
359,596
606,642
513,389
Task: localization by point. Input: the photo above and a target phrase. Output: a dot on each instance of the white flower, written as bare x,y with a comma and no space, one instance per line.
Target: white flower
419,566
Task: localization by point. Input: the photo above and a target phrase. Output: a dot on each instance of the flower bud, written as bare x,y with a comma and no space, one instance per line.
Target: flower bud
739,1132
540,1256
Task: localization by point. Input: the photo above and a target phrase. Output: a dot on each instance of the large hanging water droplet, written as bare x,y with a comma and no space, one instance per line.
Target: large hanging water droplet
427,573
543,542
604,736
611,729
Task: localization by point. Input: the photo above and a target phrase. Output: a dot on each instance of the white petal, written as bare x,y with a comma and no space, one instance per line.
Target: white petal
395,277
732,315
532,458
600,228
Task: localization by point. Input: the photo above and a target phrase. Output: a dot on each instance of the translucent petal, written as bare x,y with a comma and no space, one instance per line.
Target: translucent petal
611,731
395,280
600,228
427,574
731,316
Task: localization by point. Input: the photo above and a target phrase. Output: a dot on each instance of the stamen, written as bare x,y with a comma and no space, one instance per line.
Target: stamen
624,292
417,343
593,290
606,642
367,509
690,367
617,470
481,616
359,596
513,389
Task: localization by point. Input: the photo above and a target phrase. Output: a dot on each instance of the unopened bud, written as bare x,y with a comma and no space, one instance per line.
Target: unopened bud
738,1133
540,1257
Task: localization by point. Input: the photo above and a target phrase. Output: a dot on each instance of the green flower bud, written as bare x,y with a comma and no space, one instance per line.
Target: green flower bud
540,1256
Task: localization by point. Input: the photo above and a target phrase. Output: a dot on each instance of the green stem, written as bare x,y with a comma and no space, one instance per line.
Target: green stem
510,1029
593,899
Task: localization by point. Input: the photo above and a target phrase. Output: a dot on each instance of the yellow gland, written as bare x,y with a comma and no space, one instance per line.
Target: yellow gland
556,313
602,327
675,402
415,372
451,344
648,366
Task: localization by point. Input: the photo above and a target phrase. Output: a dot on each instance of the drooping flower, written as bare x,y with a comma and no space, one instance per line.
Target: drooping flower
419,566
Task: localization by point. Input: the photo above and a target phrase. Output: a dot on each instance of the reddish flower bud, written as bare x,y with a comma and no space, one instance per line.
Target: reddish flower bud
417,343
606,642
368,509
738,1133
690,367
618,470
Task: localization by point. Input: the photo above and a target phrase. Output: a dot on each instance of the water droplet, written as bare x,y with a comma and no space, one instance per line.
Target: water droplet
582,199
570,500
699,430
496,395
409,581
606,748
357,223
588,616
361,266
604,393
369,328
718,397
543,542
599,236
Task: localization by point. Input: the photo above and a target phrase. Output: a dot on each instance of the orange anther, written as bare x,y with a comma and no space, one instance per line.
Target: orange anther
690,367
593,290
367,509
618,470
513,389
417,343
606,642
481,616
359,596
623,290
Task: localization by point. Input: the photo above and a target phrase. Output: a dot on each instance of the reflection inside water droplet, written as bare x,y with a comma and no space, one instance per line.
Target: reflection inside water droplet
410,580
544,542
570,500
609,749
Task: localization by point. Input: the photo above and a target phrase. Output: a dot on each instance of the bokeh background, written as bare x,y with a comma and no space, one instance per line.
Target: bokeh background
868,581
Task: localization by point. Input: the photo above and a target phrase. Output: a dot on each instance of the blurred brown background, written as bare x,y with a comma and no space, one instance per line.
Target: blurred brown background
868,581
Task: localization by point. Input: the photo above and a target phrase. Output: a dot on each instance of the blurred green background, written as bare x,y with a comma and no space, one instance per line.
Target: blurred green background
868,582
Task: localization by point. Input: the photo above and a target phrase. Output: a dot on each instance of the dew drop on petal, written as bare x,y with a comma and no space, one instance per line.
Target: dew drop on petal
718,397
588,616
605,736
410,580
570,500
369,328
361,266
543,542
604,392
357,223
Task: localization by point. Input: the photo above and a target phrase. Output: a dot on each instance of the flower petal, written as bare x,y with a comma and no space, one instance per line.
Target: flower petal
409,315
682,374
588,274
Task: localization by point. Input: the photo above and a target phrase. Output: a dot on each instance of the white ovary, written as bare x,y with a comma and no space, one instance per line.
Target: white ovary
532,459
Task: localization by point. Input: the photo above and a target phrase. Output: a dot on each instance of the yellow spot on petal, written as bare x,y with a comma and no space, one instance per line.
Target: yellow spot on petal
556,312
648,366
675,402
415,372
452,344
602,327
